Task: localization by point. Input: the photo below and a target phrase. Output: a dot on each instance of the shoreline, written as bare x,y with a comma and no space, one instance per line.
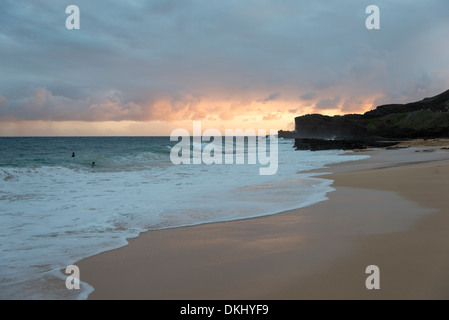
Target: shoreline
270,257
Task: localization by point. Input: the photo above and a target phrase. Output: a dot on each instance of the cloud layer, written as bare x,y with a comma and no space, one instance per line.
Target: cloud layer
173,60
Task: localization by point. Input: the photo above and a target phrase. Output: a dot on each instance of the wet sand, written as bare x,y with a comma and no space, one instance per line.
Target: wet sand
391,210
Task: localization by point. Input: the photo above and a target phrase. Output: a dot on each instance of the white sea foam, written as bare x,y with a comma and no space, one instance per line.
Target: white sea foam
52,216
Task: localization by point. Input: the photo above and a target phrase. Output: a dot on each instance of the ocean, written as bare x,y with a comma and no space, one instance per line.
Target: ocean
56,209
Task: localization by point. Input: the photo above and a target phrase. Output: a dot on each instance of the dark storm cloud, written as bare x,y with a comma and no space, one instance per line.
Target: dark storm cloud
327,104
271,97
308,96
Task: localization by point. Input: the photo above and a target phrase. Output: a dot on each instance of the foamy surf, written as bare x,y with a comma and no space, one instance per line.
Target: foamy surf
56,210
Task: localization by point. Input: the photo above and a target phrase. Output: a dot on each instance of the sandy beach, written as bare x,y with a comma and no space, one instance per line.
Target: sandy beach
390,210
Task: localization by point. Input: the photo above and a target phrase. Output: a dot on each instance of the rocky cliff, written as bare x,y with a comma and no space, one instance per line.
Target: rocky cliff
428,118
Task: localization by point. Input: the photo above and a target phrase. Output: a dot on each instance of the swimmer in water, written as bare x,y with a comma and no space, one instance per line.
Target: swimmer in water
73,154
93,164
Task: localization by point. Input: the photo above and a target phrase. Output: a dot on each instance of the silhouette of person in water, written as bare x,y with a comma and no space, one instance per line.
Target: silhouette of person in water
93,164
73,154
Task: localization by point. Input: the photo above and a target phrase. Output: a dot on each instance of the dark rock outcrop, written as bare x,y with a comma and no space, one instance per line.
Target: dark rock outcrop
325,127
425,119
286,134
322,144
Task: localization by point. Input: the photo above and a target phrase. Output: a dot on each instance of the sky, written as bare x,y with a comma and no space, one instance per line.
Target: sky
141,67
